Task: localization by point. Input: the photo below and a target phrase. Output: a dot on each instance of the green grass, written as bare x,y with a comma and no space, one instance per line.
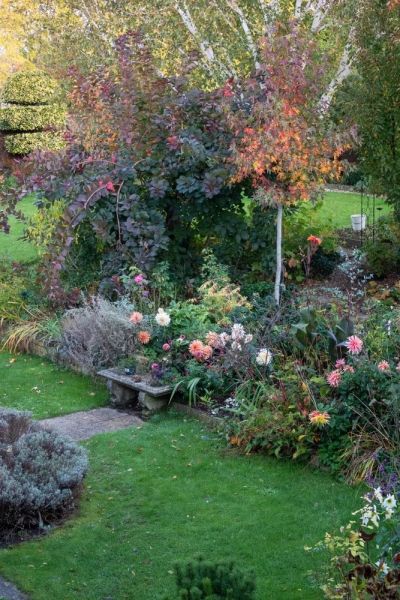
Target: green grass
337,207
168,491
34,384
11,245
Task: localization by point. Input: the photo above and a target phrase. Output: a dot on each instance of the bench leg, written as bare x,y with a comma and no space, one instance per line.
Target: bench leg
151,402
121,396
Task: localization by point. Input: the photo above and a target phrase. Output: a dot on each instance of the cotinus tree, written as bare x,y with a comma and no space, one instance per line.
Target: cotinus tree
281,140
146,175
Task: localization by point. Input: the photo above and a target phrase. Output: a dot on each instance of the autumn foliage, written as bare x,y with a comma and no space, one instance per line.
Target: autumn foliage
281,140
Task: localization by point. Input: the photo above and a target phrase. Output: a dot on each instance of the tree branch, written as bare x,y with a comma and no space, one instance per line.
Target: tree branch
205,47
320,11
190,25
245,26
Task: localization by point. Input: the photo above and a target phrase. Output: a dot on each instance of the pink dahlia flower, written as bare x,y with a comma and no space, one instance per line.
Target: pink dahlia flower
334,378
340,363
384,365
136,317
354,344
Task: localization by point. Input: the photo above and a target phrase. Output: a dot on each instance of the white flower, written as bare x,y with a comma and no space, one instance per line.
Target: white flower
378,494
383,567
162,318
370,514
389,502
248,338
238,332
236,346
264,357
224,338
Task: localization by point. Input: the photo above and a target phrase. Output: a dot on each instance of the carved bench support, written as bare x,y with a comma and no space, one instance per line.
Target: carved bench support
121,396
124,391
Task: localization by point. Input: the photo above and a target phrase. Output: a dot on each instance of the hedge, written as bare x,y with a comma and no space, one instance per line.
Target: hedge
24,143
30,118
29,87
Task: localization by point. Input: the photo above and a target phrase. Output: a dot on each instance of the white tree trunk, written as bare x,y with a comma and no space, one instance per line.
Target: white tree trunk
297,9
278,274
343,71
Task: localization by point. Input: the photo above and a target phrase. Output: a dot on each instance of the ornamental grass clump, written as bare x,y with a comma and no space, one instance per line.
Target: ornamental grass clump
41,475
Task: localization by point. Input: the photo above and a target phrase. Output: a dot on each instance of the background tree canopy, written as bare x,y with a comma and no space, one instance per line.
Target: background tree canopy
222,34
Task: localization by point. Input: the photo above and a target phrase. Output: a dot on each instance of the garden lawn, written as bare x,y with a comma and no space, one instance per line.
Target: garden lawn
168,491
35,384
337,207
11,245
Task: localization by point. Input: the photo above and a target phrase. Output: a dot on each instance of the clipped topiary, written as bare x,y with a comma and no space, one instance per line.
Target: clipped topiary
23,118
29,87
206,580
25,143
40,474
31,117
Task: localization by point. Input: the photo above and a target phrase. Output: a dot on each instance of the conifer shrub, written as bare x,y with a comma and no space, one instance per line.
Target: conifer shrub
207,580
41,474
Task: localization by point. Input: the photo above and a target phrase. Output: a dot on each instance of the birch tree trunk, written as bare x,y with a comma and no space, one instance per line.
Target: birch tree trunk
278,273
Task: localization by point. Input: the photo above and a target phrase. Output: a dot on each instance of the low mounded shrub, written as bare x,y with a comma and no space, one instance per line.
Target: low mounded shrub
97,335
206,580
40,474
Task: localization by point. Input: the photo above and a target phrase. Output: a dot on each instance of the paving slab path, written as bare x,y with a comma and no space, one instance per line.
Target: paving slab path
9,592
85,424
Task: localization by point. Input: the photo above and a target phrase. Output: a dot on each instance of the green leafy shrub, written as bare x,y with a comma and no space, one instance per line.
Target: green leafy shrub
371,395
277,423
324,263
40,474
201,579
42,224
17,289
320,335
189,319
383,253
31,114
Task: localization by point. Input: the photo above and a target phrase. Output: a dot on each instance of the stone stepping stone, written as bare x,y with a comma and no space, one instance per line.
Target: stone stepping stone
85,424
8,591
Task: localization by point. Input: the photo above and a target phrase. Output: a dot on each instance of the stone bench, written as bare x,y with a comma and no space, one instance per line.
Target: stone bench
125,391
